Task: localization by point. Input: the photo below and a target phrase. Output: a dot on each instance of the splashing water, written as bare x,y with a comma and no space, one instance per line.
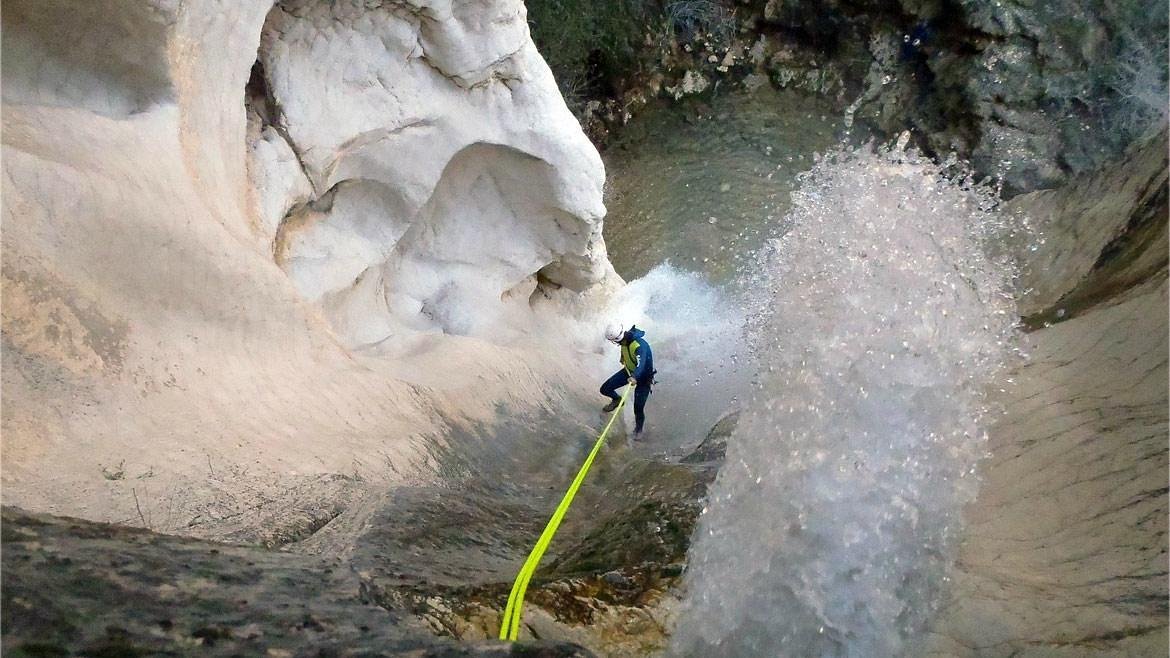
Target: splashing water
696,331
879,323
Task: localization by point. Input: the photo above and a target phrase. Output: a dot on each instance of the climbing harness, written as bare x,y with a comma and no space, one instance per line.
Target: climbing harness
510,627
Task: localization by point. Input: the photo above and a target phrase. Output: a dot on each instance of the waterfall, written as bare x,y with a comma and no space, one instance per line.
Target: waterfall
879,321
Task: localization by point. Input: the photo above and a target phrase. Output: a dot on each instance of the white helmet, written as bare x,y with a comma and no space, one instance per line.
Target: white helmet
614,332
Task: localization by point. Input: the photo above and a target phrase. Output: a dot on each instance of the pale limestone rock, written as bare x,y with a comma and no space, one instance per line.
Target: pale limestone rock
151,189
278,182
49,64
448,170
1065,546
1064,553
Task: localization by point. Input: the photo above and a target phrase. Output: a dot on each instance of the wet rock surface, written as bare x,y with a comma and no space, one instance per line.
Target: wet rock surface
420,572
73,587
1066,547
608,581
1099,237
1031,93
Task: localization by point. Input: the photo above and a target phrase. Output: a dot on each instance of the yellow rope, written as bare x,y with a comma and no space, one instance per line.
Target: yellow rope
510,628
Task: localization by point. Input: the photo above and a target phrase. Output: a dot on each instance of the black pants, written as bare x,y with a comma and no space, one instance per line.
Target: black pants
619,379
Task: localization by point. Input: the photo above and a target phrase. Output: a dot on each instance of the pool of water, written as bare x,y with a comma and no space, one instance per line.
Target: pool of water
872,320
701,184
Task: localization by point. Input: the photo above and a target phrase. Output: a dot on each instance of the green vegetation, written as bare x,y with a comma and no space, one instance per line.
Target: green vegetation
586,42
589,44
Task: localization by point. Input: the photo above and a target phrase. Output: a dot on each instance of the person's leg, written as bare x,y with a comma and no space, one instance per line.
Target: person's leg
641,393
610,387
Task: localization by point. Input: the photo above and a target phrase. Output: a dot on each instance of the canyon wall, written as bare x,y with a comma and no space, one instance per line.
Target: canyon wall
257,255
1030,93
209,206
1066,545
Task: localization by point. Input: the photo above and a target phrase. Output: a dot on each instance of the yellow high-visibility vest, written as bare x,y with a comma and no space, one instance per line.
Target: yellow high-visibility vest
630,356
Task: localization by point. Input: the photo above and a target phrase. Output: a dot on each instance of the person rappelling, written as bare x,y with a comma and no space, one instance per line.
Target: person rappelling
637,370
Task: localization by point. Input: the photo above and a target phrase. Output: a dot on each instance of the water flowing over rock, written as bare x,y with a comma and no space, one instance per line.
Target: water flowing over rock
324,276
831,528
1065,550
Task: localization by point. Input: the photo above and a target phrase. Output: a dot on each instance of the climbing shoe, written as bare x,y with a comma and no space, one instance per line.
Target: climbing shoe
611,406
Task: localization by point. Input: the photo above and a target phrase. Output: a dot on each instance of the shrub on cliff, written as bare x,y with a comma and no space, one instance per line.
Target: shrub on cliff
589,45
585,42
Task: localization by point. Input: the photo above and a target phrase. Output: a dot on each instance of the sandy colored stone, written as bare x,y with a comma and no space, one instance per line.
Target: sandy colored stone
1064,553
165,363
1072,226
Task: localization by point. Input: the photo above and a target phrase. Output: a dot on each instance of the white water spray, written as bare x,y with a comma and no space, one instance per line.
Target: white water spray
696,333
881,322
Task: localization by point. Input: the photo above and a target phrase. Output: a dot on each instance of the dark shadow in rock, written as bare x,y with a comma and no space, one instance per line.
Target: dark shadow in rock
73,587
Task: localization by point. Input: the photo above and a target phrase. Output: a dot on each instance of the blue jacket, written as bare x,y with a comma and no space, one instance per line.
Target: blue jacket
637,349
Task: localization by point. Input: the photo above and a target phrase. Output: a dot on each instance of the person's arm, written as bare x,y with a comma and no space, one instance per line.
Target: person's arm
643,357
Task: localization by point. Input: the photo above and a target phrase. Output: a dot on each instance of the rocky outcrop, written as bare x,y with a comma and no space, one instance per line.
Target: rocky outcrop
1094,240
1033,94
435,171
207,204
73,587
